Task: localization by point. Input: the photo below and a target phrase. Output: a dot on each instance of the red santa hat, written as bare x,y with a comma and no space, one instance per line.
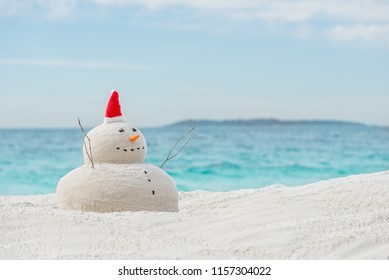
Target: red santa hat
113,112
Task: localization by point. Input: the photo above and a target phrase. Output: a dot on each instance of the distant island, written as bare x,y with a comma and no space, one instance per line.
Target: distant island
258,122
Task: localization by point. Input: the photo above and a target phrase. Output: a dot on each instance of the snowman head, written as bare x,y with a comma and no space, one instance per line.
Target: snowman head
115,141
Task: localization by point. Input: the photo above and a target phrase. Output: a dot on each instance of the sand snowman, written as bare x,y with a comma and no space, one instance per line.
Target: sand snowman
118,180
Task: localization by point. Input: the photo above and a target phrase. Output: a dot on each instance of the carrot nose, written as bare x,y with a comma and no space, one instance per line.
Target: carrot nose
134,137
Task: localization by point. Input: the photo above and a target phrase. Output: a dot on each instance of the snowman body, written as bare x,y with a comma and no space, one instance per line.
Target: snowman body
119,180
117,187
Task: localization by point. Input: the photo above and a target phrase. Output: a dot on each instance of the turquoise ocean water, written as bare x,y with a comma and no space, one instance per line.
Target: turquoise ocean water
226,157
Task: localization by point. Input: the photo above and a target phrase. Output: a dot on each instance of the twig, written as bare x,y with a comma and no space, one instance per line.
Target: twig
90,147
169,155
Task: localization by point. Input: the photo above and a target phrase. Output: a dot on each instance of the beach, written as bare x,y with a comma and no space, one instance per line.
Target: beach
344,218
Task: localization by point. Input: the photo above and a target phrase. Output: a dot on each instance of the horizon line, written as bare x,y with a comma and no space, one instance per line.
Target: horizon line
212,120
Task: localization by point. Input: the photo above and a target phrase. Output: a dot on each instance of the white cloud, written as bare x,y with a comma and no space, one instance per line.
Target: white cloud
273,10
365,21
105,65
61,8
51,9
335,19
368,33
265,10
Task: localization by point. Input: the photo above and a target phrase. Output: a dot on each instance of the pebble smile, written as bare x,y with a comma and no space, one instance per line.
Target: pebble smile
132,150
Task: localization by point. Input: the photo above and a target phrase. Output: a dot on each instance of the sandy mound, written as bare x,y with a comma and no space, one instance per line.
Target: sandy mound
346,218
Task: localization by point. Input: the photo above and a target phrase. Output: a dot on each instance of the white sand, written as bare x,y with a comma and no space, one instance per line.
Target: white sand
346,218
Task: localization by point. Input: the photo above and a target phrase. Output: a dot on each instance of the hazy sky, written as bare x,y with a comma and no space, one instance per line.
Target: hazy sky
177,59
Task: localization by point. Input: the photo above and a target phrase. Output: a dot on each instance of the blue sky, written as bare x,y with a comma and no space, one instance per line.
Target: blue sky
172,60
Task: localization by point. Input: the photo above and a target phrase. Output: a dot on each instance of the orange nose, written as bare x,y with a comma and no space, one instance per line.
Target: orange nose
134,137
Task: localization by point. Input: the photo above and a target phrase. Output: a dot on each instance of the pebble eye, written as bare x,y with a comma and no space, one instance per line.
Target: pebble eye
121,130
134,130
